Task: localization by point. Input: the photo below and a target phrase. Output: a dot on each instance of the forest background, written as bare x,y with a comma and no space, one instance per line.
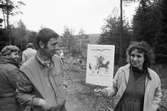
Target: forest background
149,24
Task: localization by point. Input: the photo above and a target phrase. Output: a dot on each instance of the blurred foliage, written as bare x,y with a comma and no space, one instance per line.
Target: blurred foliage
21,36
75,45
18,36
10,8
69,42
150,24
111,35
145,22
4,39
161,38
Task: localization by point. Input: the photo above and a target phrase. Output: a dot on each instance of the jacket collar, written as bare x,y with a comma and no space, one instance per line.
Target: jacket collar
45,63
5,60
127,72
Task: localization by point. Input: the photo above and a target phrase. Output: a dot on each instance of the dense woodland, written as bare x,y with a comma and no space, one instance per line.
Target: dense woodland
149,24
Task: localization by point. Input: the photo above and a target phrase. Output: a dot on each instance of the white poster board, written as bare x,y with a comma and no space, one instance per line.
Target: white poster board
100,64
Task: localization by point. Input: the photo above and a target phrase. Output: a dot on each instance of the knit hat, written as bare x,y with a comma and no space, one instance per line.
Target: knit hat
7,50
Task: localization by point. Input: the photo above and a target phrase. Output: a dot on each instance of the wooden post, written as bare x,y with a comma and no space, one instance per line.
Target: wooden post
121,33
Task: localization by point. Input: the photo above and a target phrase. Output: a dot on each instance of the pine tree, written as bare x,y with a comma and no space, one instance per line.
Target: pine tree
161,38
146,22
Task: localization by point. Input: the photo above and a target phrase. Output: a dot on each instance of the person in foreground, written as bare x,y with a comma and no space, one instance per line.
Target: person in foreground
136,87
42,89
9,75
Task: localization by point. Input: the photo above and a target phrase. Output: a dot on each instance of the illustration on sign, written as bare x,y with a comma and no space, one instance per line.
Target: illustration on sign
100,64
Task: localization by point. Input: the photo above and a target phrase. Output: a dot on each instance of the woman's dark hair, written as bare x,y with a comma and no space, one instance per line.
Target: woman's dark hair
44,35
142,47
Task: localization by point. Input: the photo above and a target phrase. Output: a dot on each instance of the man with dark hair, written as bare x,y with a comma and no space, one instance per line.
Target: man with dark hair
9,75
42,88
28,52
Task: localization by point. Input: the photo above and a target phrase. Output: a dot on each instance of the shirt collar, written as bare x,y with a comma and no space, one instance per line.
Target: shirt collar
45,63
145,71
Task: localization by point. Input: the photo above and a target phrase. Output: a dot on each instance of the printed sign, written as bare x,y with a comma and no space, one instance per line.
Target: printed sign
100,64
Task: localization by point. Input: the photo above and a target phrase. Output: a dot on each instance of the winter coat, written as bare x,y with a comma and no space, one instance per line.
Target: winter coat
9,76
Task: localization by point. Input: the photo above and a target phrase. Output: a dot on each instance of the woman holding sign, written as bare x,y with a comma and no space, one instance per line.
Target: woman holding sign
136,87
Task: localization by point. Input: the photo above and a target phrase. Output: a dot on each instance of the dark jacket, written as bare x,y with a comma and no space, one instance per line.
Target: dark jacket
9,75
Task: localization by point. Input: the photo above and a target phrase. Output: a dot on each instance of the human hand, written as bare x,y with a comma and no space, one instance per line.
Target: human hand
100,92
44,105
41,103
107,91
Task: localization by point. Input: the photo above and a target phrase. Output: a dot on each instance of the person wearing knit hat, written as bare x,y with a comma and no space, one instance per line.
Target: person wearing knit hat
7,50
9,76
